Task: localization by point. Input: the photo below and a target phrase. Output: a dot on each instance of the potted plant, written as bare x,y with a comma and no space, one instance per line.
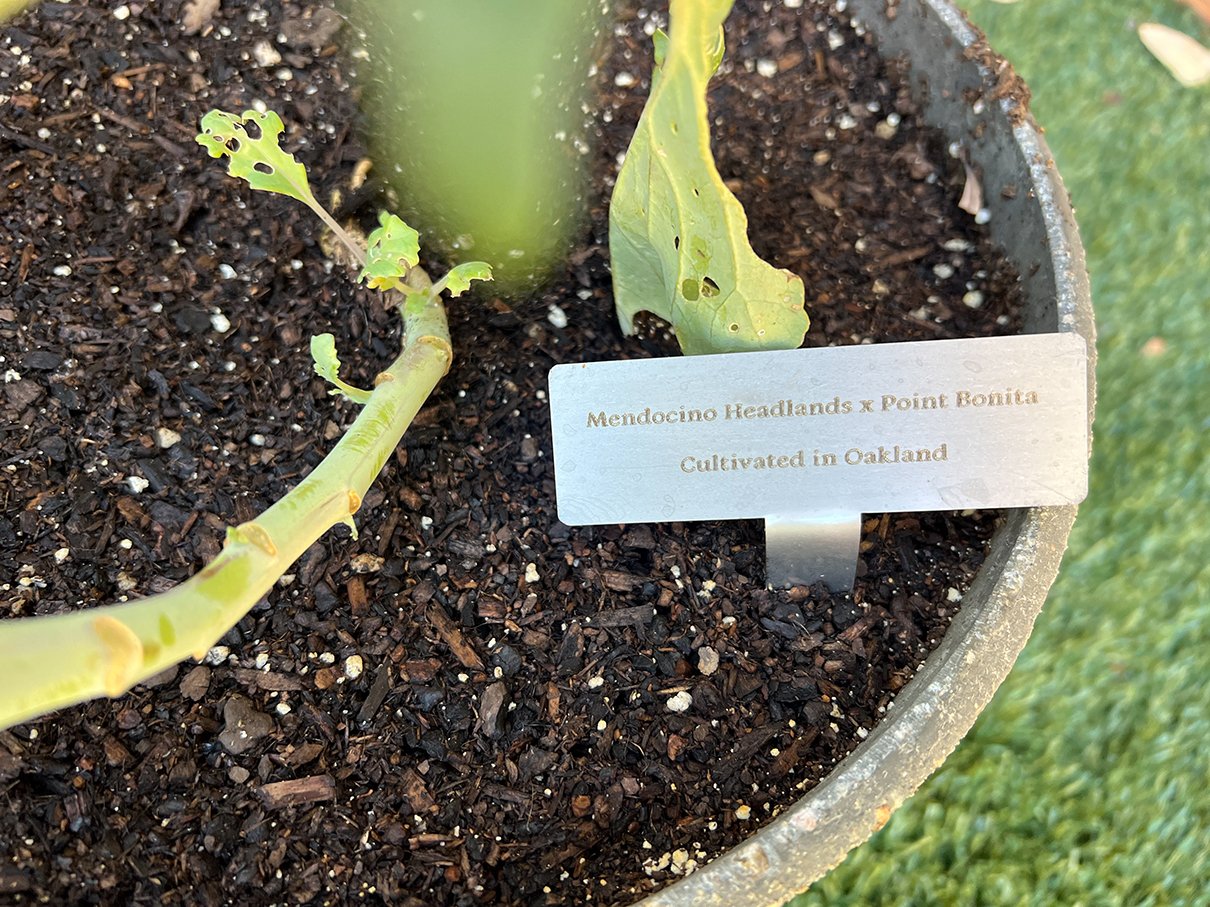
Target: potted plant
488,626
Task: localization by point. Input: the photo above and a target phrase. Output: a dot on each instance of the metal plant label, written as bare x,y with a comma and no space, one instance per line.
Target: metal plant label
788,435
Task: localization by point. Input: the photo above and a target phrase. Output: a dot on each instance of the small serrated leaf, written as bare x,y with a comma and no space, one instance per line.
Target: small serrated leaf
323,354
327,366
393,249
258,160
458,280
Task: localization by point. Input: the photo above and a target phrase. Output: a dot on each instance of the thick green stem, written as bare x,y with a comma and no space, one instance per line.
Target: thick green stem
50,662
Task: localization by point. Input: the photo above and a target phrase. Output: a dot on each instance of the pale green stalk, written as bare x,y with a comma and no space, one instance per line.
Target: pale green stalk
59,660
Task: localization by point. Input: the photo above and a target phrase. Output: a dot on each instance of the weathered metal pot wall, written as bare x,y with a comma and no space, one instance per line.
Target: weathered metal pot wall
961,83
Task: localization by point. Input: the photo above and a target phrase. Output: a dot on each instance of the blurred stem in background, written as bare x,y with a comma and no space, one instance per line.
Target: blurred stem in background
476,116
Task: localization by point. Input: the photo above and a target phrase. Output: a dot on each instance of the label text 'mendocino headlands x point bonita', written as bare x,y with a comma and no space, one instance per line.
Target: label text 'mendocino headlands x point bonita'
788,408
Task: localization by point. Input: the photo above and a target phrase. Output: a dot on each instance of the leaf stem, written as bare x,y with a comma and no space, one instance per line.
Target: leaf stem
356,248
58,660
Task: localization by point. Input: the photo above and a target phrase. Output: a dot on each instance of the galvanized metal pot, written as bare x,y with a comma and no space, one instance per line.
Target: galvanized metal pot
951,71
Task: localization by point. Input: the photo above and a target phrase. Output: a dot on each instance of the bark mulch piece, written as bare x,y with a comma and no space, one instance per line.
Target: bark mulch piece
514,736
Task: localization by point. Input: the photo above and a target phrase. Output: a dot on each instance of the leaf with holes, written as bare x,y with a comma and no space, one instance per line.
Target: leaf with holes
392,250
256,158
678,238
458,280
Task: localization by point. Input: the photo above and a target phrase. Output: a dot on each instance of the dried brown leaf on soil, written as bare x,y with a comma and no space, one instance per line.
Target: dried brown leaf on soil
1184,57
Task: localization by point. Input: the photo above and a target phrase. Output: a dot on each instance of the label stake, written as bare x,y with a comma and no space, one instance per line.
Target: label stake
805,550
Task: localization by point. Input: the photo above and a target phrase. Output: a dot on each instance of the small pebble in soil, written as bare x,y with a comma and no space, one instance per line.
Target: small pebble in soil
531,573
220,322
944,271
166,438
216,655
137,484
680,702
354,667
973,299
265,54
743,813
243,725
707,660
366,563
557,317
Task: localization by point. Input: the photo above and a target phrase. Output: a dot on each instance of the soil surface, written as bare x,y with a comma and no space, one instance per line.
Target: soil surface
470,704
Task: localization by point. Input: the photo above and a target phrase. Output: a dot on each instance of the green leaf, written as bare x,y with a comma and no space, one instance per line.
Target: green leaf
678,238
327,366
258,160
394,249
458,280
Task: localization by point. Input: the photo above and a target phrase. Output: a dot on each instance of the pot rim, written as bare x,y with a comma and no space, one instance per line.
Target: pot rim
934,711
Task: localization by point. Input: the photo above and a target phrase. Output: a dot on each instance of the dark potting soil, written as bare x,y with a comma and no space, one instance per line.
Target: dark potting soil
470,703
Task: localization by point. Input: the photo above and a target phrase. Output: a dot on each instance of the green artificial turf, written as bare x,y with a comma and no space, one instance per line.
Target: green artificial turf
1087,781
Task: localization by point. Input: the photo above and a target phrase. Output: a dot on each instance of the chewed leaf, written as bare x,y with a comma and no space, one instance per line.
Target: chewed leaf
327,366
323,355
394,249
458,280
678,237
255,158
